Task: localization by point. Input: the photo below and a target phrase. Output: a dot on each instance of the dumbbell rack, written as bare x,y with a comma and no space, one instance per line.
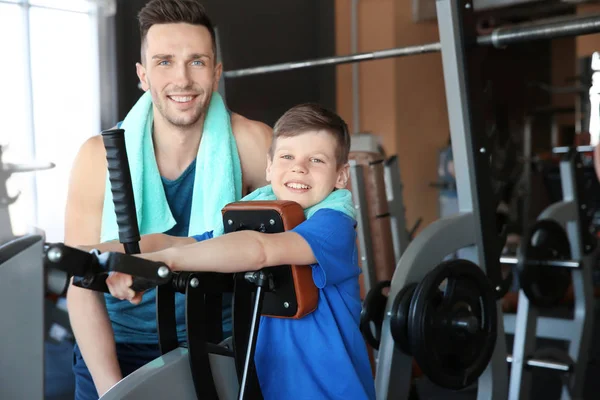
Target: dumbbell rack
527,325
400,234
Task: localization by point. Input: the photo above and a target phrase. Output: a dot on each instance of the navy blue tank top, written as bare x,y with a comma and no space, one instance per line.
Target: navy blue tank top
137,324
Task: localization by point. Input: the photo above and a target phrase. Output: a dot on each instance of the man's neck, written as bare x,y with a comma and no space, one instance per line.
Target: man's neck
175,148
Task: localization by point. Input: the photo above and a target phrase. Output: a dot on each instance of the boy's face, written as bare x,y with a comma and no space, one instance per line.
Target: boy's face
304,168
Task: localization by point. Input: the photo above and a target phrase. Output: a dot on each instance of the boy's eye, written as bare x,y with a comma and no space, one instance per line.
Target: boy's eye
316,160
287,157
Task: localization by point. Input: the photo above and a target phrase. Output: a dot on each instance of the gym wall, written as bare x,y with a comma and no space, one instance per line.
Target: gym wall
403,99
251,34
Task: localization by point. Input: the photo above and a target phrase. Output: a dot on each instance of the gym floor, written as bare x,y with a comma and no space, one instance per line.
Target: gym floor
546,385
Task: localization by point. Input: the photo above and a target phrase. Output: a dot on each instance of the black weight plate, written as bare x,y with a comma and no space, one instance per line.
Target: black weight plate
373,310
544,286
454,293
399,318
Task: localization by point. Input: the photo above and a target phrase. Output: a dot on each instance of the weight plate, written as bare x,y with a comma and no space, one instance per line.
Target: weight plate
399,318
372,311
452,324
544,286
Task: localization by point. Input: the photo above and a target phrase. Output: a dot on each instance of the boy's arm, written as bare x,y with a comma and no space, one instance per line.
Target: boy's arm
87,310
237,252
148,243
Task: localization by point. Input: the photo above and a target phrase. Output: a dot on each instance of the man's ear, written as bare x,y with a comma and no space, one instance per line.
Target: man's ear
343,176
141,73
218,73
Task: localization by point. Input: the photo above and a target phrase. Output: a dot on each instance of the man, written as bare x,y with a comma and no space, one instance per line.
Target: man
180,74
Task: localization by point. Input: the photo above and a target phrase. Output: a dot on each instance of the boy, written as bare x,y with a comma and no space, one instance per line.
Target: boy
322,355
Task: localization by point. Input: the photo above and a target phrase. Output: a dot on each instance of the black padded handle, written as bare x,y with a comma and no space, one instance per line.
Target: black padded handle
122,189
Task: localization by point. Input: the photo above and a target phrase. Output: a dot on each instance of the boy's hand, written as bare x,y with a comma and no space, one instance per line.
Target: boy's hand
119,285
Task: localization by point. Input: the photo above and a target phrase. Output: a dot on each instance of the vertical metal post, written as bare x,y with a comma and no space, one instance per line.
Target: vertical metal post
464,86
30,121
526,178
355,70
583,289
364,228
471,152
393,185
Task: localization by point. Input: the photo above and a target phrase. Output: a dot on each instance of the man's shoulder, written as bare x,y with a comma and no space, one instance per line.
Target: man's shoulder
250,130
92,151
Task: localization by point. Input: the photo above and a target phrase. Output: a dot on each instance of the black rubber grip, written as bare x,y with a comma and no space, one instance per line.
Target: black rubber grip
122,189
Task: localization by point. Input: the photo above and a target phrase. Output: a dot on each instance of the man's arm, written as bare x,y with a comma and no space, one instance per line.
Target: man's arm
237,252
87,310
253,139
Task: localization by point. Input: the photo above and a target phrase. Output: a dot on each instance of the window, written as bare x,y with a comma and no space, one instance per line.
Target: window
53,101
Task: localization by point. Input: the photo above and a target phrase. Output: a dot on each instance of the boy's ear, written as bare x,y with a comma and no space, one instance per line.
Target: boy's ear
343,176
269,165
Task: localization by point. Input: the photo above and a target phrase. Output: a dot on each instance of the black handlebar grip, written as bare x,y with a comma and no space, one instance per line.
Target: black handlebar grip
122,189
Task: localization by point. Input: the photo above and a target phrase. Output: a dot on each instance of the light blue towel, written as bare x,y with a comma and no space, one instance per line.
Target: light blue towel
339,200
218,179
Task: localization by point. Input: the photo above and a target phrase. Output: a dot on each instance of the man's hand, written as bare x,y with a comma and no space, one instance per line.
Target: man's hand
119,285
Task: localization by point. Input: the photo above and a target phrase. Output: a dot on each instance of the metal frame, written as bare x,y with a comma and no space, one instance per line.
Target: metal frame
22,284
500,37
362,218
393,188
472,226
528,324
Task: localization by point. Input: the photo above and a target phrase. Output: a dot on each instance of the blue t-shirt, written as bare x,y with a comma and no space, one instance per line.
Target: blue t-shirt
322,355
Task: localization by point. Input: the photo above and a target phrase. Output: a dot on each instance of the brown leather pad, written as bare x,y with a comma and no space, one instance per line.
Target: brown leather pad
306,293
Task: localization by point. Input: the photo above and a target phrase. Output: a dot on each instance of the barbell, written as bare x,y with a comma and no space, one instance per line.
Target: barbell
500,37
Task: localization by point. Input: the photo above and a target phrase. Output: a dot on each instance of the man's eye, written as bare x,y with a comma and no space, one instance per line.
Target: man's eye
198,63
164,62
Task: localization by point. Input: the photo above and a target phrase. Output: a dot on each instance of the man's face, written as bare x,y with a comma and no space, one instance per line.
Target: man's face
304,168
180,71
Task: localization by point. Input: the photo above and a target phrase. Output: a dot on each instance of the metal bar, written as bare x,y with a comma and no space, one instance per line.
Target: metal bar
579,149
572,26
543,263
547,364
542,30
337,60
355,72
546,327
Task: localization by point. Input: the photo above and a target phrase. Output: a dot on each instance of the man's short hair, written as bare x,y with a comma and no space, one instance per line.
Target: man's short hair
313,117
172,12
